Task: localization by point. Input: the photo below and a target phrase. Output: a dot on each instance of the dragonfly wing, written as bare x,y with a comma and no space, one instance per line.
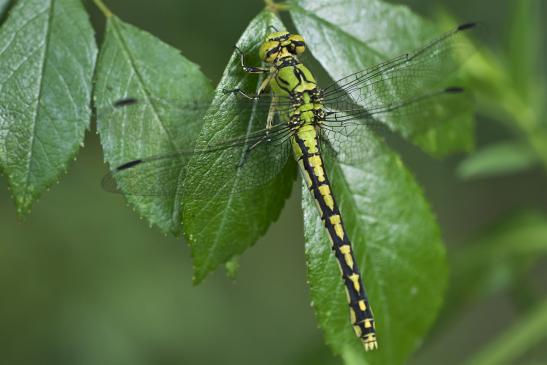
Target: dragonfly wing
404,77
152,176
406,93
179,110
265,154
413,117
346,137
237,171
347,144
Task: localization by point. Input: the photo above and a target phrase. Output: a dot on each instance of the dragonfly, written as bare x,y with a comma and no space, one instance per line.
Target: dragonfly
308,122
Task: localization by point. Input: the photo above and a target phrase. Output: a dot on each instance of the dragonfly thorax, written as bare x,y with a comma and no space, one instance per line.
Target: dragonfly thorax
307,109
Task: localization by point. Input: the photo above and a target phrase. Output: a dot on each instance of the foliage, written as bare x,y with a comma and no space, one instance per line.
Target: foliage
47,62
131,64
46,65
512,93
228,222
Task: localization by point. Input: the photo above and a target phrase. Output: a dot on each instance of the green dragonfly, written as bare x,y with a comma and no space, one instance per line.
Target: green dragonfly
308,122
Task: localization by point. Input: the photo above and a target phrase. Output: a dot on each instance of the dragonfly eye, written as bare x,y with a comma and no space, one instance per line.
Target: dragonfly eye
298,45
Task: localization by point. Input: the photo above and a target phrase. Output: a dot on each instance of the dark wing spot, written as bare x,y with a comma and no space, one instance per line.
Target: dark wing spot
128,165
454,90
125,102
467,26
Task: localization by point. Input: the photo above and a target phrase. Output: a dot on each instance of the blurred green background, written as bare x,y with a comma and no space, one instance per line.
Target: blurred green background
84,281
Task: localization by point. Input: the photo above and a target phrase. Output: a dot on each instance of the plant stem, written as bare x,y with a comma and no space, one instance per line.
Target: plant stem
527,120
274,7
529,331
103,8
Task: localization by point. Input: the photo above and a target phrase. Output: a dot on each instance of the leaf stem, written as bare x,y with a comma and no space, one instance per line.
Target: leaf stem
514,342
103,8
274,7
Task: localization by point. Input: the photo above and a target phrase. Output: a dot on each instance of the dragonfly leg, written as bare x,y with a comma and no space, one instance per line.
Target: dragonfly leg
256,96
249,69
271,113
242,93
265,139
269,122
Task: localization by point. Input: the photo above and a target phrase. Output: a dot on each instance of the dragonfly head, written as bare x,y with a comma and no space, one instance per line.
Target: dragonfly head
281,44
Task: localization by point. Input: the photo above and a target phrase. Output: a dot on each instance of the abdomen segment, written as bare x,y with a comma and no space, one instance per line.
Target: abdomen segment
311,166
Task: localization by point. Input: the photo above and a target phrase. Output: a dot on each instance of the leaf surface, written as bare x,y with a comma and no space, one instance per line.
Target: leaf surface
222,220
398,249
134,64
347,37
47,57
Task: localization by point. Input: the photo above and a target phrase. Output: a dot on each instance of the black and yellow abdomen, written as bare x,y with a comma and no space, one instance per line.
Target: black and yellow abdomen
306,150
290,79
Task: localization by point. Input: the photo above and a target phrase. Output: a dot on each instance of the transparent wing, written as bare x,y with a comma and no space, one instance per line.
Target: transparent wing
347,144
178,109
412,116
403,92
255,158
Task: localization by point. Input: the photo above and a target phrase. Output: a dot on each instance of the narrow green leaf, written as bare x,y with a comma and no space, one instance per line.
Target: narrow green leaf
501,96
221,220
502,158
398,248
513,343
350,36
525,42
491,262
135,64
47,56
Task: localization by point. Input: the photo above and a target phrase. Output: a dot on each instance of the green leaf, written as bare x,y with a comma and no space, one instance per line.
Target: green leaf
527,332
230,220
350,36
47,56
135,64
514,92
525,42
502,158
398,248
491,262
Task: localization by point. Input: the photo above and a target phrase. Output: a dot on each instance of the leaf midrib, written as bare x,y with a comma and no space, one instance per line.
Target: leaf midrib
337,170
40,92
229,202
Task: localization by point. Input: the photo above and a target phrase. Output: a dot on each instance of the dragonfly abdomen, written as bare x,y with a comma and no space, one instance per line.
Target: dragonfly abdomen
311,166
292,79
